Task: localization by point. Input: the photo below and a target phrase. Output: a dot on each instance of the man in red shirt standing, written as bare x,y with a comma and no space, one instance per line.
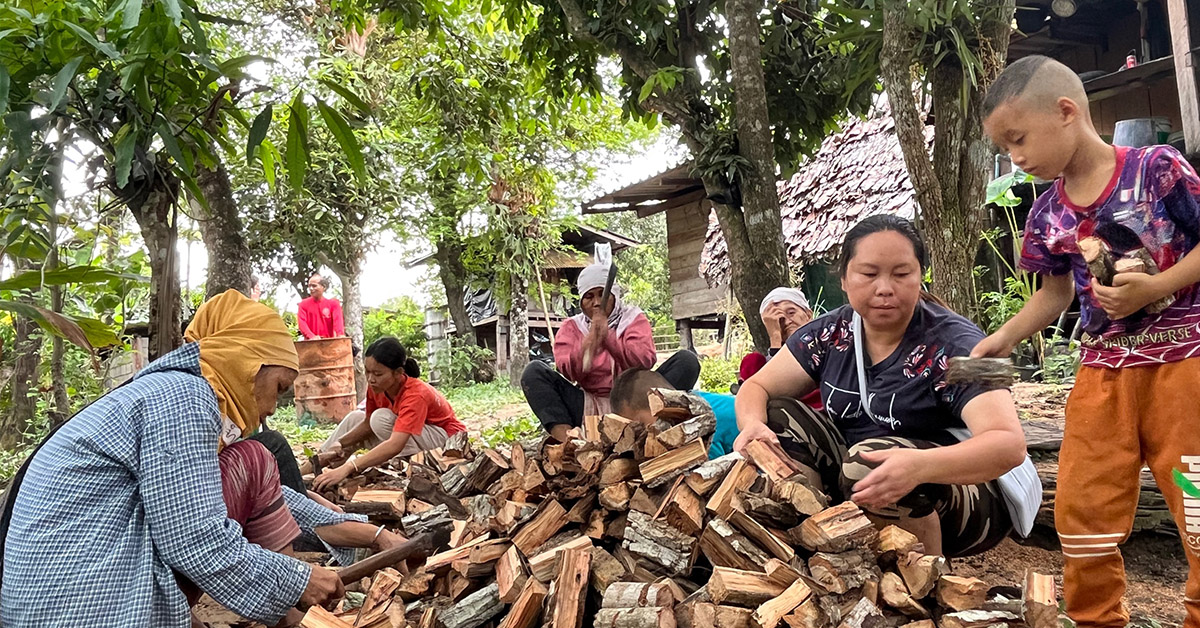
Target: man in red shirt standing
318,316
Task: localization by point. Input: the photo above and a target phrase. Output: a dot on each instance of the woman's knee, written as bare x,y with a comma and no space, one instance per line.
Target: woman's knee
534,372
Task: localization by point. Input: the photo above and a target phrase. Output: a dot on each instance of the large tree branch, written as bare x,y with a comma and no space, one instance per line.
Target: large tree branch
895,62
630,53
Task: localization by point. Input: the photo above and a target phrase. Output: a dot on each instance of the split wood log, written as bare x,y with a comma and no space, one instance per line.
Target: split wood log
682,509
551,517
635,618
606,570
527,608
474,610
455,481
458,446
976,619
838,529
569,590
651,446
385,502
767,511
510,483
922,623
543,564
637,595
805,499
665,468
862,615
896,595
435,521
513,514
781,572
616,496
581,511
702,614
771,612
770,458
895,542
646,500
379,598
511,575
612,428
618,470
440,563
428,618
741,588
921,572
762,537
841,572
660,543
318,617
614,528
517,458
591,428
1099,261
675,406
698,428
807,615
707,476
535,478
595,524
1040,600
739,479
726,547
482,559
959,593
588,455
415,585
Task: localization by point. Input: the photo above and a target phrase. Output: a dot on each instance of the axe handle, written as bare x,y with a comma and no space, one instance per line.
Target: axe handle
420,545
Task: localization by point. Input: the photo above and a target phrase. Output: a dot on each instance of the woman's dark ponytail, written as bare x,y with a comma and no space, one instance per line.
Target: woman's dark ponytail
389,352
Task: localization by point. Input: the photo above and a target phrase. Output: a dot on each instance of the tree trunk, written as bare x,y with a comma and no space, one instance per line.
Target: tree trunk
26,349
950,187
224,235
58,380
518,328
762,243
156,218
352,315
449,253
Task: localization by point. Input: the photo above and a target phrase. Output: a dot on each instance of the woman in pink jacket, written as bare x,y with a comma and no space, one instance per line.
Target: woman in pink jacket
615,340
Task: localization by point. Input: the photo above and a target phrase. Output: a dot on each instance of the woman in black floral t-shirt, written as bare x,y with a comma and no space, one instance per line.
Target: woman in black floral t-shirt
924,455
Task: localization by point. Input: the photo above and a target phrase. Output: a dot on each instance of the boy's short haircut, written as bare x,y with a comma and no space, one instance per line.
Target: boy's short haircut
631,388
1040,79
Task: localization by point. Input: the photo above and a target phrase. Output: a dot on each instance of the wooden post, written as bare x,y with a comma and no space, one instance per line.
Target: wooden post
684,327
1185,75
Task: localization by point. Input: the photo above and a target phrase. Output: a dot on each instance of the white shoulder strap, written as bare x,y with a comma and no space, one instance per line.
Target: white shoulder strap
859,341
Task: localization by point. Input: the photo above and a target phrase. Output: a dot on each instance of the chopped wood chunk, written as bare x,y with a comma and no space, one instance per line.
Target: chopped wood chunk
665,468
761,536
606,570
740,477
961,594
781,572
707,476
771,612
660,543
895,542
527,608
591,428
742,588
676,405
511,575
700,427
549,520
841,572
770,458
635,618
318,617
976,619
838,529
861,616
805,499
637,594
895,594
569,590
807,615
618,470
725,547
543,565
921,572
1040,600
474,610
682,509
616,496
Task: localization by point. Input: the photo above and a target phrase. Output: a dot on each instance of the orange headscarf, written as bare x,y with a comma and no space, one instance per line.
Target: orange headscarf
238,337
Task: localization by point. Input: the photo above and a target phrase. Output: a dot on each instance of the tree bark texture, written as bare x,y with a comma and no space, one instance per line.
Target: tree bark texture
224,235
950,187
58,380
153,209
350,274
448,252
26,348
518,328
754,232
760,201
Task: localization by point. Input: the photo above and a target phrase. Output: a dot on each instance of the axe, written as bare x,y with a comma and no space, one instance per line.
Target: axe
588,353
421,545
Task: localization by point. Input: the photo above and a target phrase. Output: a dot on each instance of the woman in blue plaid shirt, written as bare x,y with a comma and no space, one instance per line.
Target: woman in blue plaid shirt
124,503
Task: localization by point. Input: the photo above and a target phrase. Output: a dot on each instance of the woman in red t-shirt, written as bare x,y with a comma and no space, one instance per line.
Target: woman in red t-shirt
404,415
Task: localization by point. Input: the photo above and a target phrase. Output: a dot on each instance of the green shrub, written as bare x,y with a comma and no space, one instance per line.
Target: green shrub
400,318
462,362
718,374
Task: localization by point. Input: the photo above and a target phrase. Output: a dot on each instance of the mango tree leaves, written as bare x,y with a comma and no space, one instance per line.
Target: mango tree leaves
296,153
345,138
86,333
258,131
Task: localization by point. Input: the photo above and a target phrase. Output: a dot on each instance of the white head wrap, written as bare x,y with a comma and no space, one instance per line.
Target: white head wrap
777,295
592,277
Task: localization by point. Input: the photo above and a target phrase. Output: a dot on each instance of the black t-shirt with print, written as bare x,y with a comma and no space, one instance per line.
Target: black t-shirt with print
907,391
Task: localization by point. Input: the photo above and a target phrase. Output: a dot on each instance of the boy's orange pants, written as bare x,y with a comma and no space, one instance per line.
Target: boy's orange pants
1116,419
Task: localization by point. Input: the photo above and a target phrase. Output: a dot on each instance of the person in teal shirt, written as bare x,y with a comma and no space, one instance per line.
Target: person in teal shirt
629,399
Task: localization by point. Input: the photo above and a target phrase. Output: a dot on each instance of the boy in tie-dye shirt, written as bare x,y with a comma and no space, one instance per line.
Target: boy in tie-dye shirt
1131,404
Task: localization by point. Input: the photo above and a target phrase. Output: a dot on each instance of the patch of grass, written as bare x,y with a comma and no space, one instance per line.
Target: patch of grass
510,431
482,399
299,431
717,374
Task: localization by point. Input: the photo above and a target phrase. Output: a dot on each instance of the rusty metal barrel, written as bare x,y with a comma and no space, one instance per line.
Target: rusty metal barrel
325,386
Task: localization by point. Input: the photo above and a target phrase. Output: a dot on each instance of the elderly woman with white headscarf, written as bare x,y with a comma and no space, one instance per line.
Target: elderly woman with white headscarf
590,350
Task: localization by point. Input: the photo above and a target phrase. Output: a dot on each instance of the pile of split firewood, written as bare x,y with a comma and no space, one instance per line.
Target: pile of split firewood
630,526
